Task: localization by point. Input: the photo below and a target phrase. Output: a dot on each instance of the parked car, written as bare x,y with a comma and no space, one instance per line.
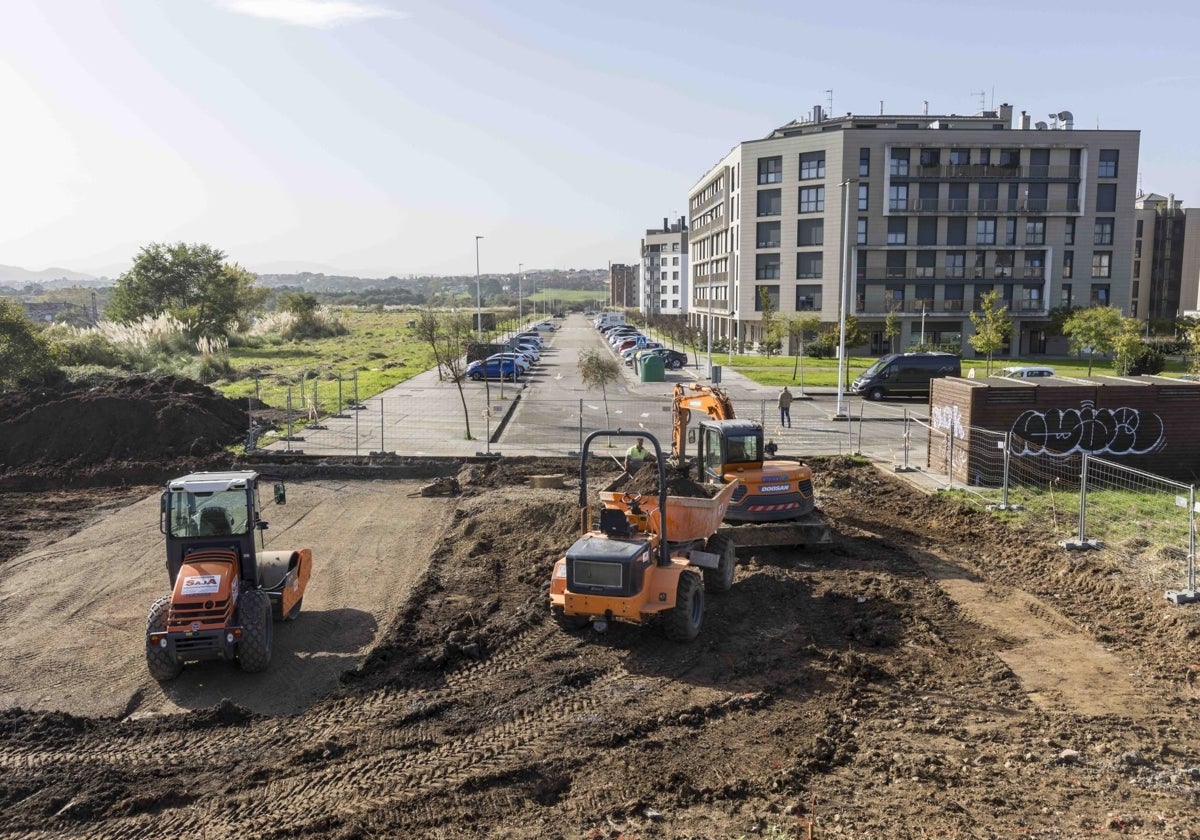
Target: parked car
1026,372
672,359
536,338
628,353
905,375
523,361
546,326
489,369
615,338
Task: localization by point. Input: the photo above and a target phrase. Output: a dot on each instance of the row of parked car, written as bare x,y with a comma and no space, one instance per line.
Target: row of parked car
525,351
627,342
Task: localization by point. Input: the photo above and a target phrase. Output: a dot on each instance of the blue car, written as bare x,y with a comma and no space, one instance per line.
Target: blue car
493,369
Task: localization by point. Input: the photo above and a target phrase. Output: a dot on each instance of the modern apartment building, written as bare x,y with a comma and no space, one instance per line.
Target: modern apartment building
922,215
1166,260
664,288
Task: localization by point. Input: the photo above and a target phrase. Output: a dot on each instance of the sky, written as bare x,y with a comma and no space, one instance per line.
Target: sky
382,137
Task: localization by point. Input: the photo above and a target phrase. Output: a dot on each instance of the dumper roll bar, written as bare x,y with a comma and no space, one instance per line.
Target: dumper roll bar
664,556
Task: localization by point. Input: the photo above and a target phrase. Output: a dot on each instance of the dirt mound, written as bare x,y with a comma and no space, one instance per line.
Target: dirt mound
645,481
138,419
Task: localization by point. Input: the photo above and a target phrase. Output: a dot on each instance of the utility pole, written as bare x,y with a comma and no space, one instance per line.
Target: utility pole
478,297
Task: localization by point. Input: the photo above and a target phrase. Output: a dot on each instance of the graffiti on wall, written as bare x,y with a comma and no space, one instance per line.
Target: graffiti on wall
948,418
1096,431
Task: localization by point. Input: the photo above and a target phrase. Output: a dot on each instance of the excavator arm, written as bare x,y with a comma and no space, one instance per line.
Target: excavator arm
714,402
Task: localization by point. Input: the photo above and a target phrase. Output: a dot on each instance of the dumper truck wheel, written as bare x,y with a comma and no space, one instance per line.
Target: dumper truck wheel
720,579
684,619
254,614
161,664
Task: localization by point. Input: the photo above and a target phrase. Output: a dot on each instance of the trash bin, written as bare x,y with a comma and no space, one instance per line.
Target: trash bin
652,369
714,374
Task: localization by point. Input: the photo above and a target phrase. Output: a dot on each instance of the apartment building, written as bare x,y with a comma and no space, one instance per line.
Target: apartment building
921,215
665,269
622,285
1166,260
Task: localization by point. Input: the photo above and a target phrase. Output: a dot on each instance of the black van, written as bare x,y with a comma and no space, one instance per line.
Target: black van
905,375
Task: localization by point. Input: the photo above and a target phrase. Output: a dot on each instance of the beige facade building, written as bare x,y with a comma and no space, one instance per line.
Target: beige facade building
922,215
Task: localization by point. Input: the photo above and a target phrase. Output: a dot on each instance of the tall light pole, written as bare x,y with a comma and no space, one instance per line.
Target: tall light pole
520,310
478,297
843,303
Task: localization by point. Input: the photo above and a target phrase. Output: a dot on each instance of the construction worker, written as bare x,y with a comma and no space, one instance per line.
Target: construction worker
636,455
785,408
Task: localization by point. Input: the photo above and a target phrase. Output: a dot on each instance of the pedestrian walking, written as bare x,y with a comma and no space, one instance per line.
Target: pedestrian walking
785,408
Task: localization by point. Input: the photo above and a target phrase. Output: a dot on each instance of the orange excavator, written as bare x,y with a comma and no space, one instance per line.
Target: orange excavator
774,492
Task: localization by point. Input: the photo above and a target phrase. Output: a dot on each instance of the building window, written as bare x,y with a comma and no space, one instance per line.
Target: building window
1137,272
926,265
1069,234
861,237
1108,163
1137,249
662,304
766,267
927,228
985,232
770,170
1035,231
1035,265
1104,232
1139,229
989,197
1099,294
1010,231
675,276
808,265
897,265
960,157
1003,269
1036,198
985,157
897,230
808,298
674,246
1102,264
770,202
812,165
772,293
810,232
1068,266
1039,163
1010,158
899,165
864,162
1064,296
956,231
812,199
1106,198
768,234
956,264
898,197
931,157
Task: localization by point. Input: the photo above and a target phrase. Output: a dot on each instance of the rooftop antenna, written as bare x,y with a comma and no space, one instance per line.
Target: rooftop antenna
830,92
982,100
881,107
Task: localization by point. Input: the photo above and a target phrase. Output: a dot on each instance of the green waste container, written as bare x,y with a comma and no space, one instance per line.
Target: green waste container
652,369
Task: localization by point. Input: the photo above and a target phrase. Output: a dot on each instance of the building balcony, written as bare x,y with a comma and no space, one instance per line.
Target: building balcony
989,171
984,207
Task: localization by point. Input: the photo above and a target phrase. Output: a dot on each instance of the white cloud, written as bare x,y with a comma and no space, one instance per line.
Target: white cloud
318,13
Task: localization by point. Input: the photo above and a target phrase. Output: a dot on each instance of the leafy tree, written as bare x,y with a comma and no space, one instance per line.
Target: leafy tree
191,282
891,327
993,326
770,326
449,336
24,352
598,370
1094,330
1134,356
800,329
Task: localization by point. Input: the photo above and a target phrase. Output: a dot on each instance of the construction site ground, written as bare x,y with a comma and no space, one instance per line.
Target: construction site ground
931,672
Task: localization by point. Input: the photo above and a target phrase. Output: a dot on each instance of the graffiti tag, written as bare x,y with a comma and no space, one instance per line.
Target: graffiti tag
1115,431
950,418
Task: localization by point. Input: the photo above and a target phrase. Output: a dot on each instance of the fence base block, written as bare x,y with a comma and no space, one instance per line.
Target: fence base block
900,468
1080,545
1009,507
1184,596
487,454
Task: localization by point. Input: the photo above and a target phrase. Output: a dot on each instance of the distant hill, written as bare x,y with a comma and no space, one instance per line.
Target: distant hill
48,278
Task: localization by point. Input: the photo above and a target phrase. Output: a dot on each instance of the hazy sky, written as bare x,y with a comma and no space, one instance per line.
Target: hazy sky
381,137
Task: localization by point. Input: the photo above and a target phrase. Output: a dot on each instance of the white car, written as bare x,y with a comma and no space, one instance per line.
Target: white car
1026,372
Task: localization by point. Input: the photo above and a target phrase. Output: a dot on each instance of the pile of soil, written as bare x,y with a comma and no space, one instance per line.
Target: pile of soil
645,481
67,428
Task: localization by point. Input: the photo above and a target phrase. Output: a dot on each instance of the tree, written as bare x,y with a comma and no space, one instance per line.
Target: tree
1134,356
597,370
448,336
891,327
801,328
24,352
993,326
191,282
1094,330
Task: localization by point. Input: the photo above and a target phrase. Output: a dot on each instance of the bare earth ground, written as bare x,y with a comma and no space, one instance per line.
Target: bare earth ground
931,673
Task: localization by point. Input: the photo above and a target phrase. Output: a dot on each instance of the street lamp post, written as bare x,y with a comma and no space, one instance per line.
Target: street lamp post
478,297
520,309
843,303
